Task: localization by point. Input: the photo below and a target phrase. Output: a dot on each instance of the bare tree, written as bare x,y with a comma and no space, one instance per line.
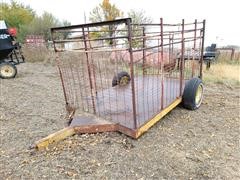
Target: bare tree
138,17
106,11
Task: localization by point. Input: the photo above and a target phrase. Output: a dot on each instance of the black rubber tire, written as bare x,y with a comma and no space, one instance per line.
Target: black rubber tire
190,92
7,70
117,78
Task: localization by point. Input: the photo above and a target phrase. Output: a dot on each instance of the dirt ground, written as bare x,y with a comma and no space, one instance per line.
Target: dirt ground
202,144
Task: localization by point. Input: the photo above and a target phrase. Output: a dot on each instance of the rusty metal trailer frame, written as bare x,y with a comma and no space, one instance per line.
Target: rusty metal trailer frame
162,69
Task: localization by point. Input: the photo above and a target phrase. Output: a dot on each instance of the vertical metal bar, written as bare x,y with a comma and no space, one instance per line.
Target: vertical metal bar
144,52
132,72
182,60
91,58
203,37
144,70
61,77
169,49
199,49
172,77
173,58
162,65
89,69
158,73
194,47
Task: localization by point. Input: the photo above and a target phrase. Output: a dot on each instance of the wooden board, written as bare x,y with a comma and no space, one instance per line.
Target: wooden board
55,137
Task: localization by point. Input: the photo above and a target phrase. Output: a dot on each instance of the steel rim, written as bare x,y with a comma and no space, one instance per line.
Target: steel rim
124,81
7,71
199,95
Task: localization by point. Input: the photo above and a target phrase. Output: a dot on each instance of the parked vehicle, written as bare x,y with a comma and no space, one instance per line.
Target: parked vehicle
10,51
209,55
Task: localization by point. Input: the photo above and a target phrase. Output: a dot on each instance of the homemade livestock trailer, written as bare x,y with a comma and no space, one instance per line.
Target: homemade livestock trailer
120,76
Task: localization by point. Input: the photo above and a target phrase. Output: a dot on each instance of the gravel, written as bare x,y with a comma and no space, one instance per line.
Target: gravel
201,144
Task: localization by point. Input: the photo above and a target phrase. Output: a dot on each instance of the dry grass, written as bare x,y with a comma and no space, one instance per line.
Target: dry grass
38,54
227,55
223,73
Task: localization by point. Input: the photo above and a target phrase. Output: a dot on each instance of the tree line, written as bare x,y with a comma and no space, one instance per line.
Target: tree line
25,19
27,22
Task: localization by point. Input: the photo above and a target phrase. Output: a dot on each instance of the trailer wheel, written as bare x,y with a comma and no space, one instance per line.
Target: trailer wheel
122,78
193,94
7,70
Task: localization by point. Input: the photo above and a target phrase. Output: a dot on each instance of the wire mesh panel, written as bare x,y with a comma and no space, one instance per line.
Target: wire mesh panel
126,73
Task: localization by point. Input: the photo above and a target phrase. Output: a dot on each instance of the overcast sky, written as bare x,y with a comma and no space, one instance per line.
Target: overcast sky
222,17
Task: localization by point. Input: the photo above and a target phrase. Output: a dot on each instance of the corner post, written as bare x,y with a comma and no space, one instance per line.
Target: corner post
132,72
203,37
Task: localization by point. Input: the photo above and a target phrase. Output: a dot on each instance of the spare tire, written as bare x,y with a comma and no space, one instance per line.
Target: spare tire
7,70
193,94
122,79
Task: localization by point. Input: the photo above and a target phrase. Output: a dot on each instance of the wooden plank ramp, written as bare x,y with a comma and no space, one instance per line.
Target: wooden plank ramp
53,138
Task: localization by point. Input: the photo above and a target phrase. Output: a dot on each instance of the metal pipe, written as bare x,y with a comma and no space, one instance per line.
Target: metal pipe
169,50
194,47
162,66
152,47
203,37
144,52
89,70
61,77
132,72
182,61
91,58
118,21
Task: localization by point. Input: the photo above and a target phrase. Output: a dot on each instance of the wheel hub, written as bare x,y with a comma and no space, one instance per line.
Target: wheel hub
124,81
199,94
7,71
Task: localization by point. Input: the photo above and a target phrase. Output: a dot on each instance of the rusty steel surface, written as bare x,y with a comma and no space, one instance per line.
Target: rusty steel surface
113,103
155,59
